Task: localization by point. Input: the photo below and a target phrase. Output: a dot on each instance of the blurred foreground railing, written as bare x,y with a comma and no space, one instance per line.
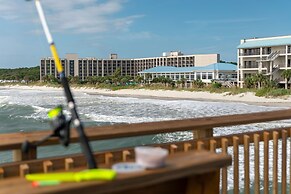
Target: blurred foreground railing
247,147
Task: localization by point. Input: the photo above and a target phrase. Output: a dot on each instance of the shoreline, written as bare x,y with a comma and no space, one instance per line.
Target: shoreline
247,98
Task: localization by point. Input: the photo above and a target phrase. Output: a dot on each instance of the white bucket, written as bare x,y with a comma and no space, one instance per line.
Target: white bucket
150,157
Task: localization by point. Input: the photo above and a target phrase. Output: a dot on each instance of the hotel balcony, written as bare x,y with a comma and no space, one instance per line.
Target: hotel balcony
265,53
249,54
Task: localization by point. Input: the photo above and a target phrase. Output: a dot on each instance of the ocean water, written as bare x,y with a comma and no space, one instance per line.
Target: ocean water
26,110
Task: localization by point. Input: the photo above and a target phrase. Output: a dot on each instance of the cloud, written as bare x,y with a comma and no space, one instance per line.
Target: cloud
14,10
72,16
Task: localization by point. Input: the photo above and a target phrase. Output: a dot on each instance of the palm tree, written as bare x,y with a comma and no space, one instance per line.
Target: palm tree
249,82
259,78
148,76
117,72
139,79
125,79
198,83
287,75
116,76
184,81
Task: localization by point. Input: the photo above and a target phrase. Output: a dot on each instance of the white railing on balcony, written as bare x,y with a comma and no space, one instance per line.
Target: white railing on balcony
264,53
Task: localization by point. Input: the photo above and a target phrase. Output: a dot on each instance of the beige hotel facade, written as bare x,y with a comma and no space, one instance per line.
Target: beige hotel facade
269,56
87,67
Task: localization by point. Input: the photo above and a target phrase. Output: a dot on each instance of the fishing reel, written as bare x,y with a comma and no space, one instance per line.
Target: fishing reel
61,129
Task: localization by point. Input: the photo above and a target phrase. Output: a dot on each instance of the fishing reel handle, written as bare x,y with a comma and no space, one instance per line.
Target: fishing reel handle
62,133
61,130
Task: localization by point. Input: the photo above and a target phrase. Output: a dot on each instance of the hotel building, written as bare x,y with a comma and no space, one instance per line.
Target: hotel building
215,71
86,67
269,56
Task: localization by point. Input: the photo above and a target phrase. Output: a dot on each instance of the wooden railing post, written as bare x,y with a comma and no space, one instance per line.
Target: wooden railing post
224,146
18,155
266,162
275,161
257,163
197,134
246,164
235,140
284,162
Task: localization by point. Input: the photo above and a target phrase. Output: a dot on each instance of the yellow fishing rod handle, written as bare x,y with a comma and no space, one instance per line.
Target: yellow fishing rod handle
56,58
86,175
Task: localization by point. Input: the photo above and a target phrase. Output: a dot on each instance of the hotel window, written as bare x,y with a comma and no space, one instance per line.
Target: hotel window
266,50
289,63
210,76
198,76
221,76
234,76
204,75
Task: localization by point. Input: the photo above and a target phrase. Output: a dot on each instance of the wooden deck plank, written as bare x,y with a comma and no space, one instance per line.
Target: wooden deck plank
178,167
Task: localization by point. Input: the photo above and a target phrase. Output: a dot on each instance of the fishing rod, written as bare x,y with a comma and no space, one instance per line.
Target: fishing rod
86,149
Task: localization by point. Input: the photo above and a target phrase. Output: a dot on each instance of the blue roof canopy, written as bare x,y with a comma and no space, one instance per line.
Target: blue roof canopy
211,67
265,43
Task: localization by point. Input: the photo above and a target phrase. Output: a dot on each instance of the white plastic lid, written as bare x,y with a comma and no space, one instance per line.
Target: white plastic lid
127,167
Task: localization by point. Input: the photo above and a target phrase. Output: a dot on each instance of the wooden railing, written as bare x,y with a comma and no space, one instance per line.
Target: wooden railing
258,147
203,131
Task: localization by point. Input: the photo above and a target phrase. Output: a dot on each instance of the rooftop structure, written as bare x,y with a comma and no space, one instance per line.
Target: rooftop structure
265,42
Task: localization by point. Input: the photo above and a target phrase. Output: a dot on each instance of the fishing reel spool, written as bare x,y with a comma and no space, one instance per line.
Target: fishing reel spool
61,129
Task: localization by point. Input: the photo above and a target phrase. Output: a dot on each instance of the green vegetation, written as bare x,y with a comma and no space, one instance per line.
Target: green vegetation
263,86
216,85
221,61
198,83
287,75
19,74
259,84
260,81
267,92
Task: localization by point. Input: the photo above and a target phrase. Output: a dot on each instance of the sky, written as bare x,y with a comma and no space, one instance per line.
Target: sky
136,28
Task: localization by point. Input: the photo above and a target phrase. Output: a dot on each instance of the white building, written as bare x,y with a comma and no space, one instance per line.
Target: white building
87,67
269,56
215,71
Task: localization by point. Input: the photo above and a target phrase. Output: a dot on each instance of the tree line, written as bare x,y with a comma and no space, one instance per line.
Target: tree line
32,74
19,74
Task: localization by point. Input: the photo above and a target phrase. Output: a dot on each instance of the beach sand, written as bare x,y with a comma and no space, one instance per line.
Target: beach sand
248,97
